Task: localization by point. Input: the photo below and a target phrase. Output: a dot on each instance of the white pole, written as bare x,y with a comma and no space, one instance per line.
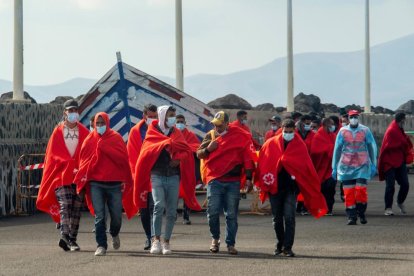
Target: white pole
18,52
179,73
367,62
290,102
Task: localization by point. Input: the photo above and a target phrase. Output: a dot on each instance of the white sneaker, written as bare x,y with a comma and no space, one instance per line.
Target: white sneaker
116,242
402,208
100,251
155,247
388,212
166,250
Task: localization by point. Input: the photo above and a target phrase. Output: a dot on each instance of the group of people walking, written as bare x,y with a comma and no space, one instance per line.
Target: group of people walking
163,161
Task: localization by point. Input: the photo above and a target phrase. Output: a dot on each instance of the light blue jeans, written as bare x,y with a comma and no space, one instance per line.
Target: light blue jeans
165,191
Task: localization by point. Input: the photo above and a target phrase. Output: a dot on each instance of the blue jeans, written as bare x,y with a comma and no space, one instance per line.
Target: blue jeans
110,194
226,197
165,195
283,210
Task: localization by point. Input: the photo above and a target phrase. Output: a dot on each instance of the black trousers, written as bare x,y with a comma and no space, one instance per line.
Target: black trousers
146,216
328,190
399,174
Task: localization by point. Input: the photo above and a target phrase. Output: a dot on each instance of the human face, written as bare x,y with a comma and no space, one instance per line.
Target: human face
345,120
314,126
100,122
170,114
150,115
180,121
221,128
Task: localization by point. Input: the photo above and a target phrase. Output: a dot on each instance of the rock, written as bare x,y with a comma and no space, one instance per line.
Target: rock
408,107
280,109
79,98
265,107
61,99
307,103
330,108
381,110
353,107
230,101
9,95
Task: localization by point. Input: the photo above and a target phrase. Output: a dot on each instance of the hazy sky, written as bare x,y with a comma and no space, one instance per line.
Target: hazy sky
64,39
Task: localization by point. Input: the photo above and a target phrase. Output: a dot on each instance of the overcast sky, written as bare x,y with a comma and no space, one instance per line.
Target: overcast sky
64,39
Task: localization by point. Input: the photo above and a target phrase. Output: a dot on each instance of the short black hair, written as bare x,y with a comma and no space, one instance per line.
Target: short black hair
317,121
171,108
241,113
399,116
150,107
306,117
180,116
325,121
335,119
92,119
295,115
288,123
345,115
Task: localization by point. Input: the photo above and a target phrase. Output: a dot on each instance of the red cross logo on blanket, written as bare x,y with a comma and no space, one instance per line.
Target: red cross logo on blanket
143,196
54,210
268,179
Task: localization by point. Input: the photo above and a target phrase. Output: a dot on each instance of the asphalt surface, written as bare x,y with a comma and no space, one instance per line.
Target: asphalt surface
385,246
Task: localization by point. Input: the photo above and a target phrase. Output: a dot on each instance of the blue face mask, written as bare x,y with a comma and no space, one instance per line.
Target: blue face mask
180,126
274,128
171,121
307,127
288,136
73,117
332,128
101,129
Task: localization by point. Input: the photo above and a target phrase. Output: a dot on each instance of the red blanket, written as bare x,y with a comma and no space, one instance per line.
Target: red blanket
308,139
321,153
134,145
59,169
295,160
105,158
191,139
396,149
234,148
247,129
175,144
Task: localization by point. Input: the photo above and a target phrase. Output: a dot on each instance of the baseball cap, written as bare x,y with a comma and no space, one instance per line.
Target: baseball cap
220,118
353,112
71,104
275,119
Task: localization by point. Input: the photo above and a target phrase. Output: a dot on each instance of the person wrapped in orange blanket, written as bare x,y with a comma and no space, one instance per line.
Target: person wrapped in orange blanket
57,194
284,166
105,174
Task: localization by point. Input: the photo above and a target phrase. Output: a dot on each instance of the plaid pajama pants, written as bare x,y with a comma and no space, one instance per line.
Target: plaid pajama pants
70,206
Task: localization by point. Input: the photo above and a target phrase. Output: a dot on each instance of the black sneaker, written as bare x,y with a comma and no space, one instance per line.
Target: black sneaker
64,243
363,220
147,245
58,226
351,222
278,251
288,253
74,246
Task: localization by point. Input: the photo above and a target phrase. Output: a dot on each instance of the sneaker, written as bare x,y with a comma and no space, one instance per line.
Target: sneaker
402,208
74,246
187,222
147,245
215,246
288,253
58,226
304,213
352,222
363,220
232,250
329,214
166,250
278,251
116,242
388,212
100,251
64,243
155,247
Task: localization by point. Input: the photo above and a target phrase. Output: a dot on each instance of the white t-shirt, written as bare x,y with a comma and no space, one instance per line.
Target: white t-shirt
71,136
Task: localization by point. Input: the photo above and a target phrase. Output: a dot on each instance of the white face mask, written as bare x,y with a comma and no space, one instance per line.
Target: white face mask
73,117
288,136
274,128
353,121
244,122
148,121
171,121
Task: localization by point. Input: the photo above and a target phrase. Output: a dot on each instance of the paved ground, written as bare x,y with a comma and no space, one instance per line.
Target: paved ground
28,246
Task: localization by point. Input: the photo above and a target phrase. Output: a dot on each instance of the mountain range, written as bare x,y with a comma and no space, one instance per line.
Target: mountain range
334,77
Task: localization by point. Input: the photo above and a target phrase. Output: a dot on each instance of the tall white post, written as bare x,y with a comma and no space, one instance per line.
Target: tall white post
290,102
18,52
367,62
179,72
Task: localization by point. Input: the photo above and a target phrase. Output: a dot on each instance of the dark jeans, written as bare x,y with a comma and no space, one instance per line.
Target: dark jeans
146,216
186,212
328,191
399,174
111,194
283,210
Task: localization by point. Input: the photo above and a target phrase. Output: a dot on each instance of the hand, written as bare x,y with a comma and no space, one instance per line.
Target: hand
248,187
174,163
212,146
